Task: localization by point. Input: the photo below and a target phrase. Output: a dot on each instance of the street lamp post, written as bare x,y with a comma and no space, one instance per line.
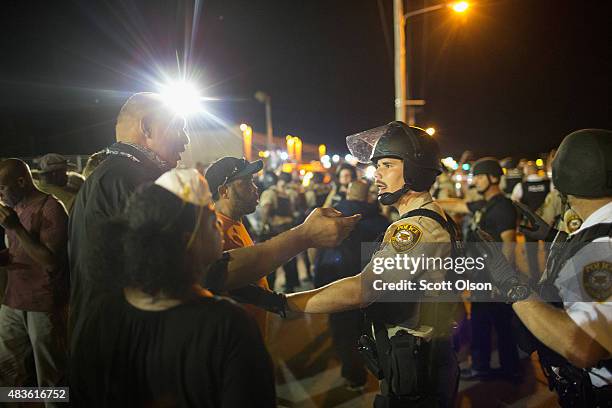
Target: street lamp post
247,140
401,78
399,37
267,100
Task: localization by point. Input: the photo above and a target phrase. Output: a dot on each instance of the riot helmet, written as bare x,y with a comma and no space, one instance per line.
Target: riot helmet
488,166
418,151
583,164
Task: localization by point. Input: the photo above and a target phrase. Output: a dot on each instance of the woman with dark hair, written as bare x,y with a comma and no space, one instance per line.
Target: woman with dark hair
163,340
345,174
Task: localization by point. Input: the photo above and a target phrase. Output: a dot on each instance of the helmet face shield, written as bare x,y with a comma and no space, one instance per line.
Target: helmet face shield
361,145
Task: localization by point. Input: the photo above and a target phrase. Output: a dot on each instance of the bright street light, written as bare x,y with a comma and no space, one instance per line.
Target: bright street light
182,97
247,140
460,6
322,150
430,131
369,172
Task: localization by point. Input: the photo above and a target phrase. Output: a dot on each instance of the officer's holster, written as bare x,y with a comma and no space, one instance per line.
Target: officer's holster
402,365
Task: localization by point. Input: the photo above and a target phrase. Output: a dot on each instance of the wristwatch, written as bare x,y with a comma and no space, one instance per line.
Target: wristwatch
518,292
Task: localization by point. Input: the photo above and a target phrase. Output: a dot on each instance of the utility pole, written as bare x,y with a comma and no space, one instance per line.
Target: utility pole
267,100
402,101
399,37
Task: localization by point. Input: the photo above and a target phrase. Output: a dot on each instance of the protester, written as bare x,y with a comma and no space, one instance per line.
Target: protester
279,213
54,178
345,174
169,341
33,312
317,191
149,141
235,195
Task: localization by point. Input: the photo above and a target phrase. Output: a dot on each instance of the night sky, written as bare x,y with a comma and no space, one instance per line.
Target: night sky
512,77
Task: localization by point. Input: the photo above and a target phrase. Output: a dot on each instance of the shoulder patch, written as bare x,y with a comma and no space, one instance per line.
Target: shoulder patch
597,280
405,237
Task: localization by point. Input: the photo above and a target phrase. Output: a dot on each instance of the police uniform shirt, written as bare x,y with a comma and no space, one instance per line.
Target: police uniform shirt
588,275
416,237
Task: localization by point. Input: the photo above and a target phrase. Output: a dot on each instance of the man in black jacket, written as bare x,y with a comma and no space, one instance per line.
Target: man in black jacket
150,139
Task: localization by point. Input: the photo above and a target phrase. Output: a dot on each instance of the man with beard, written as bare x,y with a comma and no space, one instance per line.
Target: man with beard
235,195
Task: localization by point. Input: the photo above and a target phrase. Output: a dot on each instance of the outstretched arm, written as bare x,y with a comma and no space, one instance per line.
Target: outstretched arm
324,227
338,296
456,205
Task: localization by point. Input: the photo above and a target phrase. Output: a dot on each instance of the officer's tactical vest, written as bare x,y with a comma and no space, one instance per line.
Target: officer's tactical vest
568,376
436,315
534,193
513,177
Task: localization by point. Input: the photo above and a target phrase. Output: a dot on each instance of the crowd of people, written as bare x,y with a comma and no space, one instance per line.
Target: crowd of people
137,283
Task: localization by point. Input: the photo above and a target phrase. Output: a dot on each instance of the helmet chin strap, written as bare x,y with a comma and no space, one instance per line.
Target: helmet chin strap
565,205
488,185
391,198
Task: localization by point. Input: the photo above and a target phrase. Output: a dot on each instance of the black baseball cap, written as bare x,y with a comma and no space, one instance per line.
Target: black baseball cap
228,169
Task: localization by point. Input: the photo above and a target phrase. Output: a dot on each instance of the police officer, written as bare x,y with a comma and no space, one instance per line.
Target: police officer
570,313
412,353
512,175
496,216
533,189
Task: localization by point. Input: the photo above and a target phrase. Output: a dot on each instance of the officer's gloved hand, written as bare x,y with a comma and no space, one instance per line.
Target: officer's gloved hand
266,299
503,276
538,229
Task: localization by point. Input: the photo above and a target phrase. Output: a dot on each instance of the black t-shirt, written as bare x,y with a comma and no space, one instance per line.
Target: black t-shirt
498,215
205,353
102,197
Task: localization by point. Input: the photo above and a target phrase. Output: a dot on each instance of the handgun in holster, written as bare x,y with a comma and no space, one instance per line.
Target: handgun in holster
400,360
408,357
367,349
